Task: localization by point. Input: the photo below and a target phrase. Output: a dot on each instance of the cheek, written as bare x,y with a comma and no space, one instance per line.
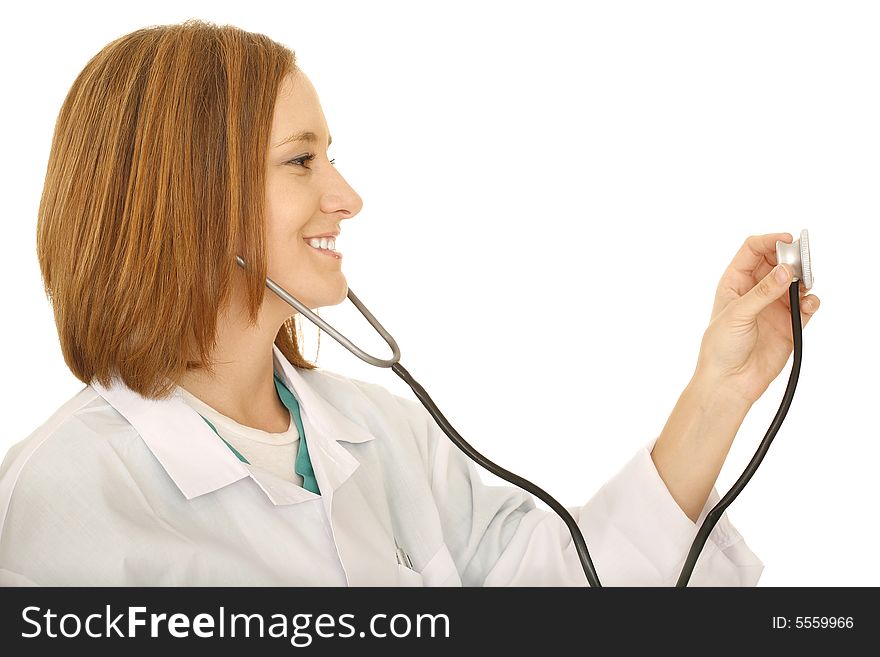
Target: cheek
284,223
287,212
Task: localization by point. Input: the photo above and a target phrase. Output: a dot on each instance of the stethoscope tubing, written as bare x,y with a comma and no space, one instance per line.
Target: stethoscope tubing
580,544
715,514
576,535
341,339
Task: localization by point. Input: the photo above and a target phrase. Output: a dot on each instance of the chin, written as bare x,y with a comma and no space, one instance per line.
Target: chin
344,294
329,299
332,301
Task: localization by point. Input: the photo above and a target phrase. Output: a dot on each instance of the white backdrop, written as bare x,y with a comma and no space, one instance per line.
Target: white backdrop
551,193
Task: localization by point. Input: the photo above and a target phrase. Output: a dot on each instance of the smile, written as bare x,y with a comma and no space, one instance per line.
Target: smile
325,245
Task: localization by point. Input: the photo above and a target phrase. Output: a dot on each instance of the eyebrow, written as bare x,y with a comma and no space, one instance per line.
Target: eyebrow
303,135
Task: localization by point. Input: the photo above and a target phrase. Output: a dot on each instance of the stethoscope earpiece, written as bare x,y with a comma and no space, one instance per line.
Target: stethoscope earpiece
797,256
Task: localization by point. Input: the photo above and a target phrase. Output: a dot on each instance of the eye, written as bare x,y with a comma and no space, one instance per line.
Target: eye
303,159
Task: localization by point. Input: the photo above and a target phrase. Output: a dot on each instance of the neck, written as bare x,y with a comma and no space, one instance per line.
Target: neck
242,386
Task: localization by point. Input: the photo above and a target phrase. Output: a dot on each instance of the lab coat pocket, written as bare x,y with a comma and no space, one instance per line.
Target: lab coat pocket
408,576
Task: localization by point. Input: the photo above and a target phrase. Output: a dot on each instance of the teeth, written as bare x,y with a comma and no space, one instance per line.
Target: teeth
327,243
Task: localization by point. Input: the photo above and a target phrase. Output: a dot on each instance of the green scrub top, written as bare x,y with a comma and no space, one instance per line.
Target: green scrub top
303,464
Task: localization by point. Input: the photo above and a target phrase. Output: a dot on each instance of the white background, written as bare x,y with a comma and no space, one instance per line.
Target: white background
551,192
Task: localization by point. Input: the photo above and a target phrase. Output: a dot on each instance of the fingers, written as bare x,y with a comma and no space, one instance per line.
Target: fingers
809,304
768,290
764,269
758,250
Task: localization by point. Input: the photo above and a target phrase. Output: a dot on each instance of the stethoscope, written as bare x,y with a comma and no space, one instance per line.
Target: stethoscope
795,255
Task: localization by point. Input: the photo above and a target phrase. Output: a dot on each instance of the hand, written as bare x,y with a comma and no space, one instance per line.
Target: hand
749,339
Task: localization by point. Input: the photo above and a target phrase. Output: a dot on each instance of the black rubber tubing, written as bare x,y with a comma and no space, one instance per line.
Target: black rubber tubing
711,518
576,535
715,514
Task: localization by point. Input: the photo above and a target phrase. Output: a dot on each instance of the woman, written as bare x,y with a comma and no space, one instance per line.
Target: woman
204,450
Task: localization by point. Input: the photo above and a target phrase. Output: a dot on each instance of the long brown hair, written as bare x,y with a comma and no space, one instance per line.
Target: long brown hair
155,181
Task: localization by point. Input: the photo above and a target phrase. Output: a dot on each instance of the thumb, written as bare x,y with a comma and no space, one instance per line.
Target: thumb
768,290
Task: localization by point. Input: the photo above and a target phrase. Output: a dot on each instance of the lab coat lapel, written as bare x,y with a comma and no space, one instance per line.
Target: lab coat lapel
359,517
199,463
324,426
180,440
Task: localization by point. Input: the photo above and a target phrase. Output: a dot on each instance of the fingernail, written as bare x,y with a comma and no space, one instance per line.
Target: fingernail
781,274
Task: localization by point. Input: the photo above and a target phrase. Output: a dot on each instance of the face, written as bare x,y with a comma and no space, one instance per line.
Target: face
306,196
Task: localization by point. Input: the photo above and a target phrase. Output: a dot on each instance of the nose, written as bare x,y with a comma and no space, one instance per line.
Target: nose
342,198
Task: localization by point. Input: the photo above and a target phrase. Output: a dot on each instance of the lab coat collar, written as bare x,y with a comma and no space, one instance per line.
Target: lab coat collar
321,412
198,462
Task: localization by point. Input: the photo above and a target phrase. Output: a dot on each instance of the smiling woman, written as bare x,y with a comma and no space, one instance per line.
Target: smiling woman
156,217
204,450
306,198
160,200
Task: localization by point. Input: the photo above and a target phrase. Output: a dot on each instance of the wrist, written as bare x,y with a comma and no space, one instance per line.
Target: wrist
715,394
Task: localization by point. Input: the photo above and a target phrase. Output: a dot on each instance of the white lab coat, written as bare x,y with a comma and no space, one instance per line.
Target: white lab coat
117,490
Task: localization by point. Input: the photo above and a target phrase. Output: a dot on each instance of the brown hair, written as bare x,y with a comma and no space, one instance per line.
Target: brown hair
155,181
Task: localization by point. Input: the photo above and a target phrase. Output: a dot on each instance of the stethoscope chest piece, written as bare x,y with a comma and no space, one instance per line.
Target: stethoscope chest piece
797,256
